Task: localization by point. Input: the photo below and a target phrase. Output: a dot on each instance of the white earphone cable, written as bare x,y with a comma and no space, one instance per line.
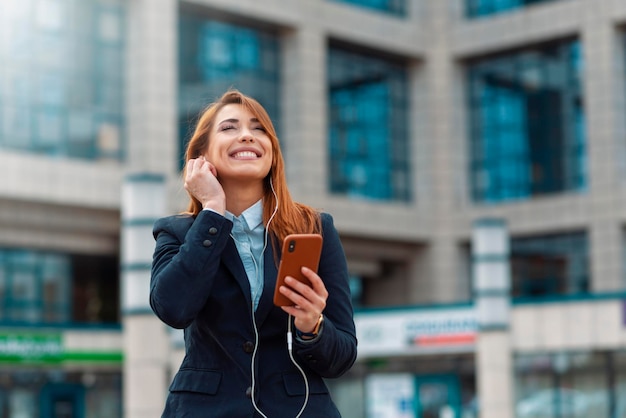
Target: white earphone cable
289,332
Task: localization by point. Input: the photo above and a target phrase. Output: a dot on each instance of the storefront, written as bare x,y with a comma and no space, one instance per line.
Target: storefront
60,374
413,363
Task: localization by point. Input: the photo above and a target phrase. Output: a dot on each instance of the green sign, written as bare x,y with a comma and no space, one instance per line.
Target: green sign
31,347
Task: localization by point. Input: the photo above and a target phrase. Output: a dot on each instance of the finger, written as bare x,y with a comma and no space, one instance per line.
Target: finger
306,300
301,303
302,289
303,308
212,169
316,282
190,169
293,311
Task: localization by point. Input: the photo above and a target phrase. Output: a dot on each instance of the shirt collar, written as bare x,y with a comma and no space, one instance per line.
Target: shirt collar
253,216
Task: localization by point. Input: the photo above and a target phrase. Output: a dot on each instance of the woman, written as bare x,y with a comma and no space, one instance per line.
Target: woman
214,272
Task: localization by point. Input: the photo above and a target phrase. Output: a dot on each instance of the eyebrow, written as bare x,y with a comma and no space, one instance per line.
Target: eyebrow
235,120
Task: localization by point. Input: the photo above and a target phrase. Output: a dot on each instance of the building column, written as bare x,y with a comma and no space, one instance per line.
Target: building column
492,283
602,49
304,111
146,340
151,164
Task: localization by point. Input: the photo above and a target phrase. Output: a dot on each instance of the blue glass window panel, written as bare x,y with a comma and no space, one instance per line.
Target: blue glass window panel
368,140
51,89
395,7
366,165
34,287
110,26
82,95
17,88
17,123
50,14
51,130
504,145
215,56
550,265
527,124
62,54
21,46
52,52
477,8
108,60
80,126
109,97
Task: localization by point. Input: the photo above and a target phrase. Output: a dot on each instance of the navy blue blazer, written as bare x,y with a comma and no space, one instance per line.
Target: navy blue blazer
199,283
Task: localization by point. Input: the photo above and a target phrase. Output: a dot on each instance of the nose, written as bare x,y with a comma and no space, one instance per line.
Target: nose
247,138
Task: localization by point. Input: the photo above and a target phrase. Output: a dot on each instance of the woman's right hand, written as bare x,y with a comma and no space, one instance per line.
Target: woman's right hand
201,182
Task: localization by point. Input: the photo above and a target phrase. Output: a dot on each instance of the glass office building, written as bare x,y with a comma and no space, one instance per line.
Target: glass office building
428,129
62,66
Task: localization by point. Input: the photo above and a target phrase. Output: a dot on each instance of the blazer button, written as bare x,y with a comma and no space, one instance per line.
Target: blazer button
207,243
249,392
212,230
248,347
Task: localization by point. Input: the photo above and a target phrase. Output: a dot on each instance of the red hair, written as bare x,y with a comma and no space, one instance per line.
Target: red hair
291,217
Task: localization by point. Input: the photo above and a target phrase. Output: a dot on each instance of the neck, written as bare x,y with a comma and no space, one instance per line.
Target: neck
240,198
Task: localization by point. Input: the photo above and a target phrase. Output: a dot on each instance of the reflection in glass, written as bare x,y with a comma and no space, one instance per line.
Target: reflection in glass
550,265
59,59
395,7
39,287
527,125
476,8
368,127
568,385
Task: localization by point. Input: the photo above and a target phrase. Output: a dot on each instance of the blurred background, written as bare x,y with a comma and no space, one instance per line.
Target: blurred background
472,153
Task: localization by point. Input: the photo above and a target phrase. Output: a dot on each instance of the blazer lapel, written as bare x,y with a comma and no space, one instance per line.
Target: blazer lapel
232,261
266,303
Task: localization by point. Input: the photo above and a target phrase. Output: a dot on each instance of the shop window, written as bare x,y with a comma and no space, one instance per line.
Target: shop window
478,8
394,7
62,78
565,384
215,56
550,265
48,288
527,124
368,126
29,391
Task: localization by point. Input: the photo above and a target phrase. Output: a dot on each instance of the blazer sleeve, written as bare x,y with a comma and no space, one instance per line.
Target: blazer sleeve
334,352
185,262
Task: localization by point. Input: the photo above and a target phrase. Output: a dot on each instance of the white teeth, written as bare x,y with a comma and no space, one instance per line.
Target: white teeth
245,154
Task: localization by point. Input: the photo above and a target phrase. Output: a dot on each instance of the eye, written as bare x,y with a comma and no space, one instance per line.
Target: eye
259,128
227,127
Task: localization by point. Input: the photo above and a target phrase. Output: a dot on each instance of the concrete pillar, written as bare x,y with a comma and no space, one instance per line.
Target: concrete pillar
492,284
304,111
152,130
602,48
146,340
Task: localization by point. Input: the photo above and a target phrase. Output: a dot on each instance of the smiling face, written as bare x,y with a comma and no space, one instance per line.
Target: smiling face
239,147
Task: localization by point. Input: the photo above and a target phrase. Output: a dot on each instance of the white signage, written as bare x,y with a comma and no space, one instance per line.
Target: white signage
390,395
416,331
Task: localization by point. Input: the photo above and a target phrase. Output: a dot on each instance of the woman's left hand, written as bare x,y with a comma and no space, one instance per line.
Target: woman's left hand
310,301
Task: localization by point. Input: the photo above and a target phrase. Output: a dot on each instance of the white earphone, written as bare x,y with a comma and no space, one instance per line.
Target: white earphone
289,331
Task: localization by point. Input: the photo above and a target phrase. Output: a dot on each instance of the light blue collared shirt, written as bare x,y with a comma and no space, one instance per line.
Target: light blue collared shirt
249,235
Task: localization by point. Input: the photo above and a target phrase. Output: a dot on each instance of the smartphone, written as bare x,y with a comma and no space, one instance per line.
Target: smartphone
298,250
